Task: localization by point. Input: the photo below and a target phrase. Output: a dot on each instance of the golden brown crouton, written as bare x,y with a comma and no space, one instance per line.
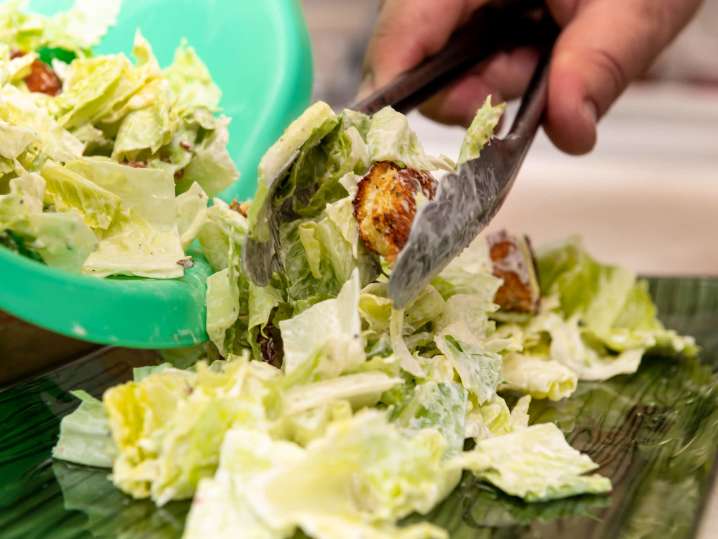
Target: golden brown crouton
240,207
43,79
513,261
385,206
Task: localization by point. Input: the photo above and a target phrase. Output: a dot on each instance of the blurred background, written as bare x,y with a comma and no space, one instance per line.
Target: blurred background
647,197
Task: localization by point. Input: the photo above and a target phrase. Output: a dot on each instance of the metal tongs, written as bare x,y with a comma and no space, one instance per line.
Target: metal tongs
467,199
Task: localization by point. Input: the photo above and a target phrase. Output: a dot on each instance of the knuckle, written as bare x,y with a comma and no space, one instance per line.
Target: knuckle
610,68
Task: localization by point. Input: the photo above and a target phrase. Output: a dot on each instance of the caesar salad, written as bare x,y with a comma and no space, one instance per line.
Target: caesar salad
318,407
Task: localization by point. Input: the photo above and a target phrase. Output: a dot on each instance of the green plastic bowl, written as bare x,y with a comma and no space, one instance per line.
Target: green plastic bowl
258,53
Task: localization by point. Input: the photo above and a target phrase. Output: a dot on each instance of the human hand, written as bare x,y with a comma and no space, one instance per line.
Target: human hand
603,46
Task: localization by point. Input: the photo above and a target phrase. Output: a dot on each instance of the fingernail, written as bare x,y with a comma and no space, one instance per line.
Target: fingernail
589,111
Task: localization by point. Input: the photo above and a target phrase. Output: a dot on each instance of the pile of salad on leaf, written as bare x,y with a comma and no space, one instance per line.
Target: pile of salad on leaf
106,164
318,407
328,411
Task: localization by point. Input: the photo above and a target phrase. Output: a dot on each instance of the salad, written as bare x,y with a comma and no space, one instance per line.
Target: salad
105,163
318,408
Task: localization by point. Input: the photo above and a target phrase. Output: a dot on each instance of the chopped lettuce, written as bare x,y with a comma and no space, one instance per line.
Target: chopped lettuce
67,190
76,30
85,436
603,321
359,389
230,501
169,426
144,240
539,377
479,370
330,413
190,82
438,405
364,472
191,213
534,463
390,138
51,140
481,130
211,165
159,128
339,341
308,129
62,240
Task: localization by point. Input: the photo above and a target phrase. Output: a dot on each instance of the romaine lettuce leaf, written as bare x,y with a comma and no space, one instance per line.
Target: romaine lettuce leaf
223,231
228,305
221,509
191,213
312,424
340,340
23,199
190,82
313,180
360,390
14,70
20,109
390,138
309,128
363,471
407,360
85,436
594,292
144,131
248,457
83,25
61,240
169,426
144,240
438,405
479,369
537,376
481,130
469,273
14,140
90,88
211,165
534,463
604,321
228,291
67,190
493,418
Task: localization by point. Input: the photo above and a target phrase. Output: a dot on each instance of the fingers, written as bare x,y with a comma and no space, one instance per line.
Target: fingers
407,32
606,44
504,77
